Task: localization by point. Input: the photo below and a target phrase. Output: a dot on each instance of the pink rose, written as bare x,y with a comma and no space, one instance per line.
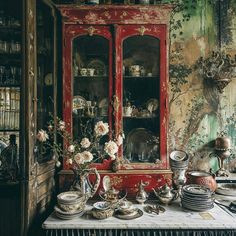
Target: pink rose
62,125
85,143
87,156
71,148
111,149
42,135
69,161
79,159
101,128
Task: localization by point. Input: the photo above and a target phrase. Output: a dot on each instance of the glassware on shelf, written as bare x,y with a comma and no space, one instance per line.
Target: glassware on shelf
9,159
9,108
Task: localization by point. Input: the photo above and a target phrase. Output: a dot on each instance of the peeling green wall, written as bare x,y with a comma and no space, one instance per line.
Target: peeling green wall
198,112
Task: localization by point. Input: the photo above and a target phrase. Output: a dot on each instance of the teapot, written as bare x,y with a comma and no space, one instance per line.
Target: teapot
165,194
141,196
111,195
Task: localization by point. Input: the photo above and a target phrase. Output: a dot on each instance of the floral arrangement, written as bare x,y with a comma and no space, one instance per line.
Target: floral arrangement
82,152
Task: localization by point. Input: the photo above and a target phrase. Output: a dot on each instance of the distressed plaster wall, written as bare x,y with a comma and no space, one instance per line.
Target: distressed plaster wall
198,112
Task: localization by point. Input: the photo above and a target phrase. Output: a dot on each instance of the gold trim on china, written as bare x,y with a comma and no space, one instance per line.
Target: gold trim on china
91,30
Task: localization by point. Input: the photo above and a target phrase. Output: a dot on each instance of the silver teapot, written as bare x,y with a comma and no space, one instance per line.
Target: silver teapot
165,194
141,196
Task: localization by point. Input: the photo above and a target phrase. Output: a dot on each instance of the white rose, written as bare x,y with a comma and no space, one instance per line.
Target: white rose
62,125
50,127
58,164
79,159
111,149
69,161
87,156
101,128
119,140
85,143
71,148
42,135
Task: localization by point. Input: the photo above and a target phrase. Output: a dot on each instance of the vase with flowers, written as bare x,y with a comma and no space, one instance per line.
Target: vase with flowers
80,153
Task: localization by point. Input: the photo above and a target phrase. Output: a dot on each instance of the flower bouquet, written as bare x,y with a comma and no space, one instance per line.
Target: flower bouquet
81,153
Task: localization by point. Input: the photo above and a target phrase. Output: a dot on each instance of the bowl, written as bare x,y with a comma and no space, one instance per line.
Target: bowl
102,214
101,205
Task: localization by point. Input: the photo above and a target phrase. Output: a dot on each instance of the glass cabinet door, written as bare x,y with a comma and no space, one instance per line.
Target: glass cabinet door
90,86
143,95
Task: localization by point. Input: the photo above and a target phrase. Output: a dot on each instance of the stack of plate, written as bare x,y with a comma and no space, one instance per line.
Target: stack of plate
179,160
197,197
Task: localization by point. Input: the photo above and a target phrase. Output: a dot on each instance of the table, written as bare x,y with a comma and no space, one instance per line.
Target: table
174,221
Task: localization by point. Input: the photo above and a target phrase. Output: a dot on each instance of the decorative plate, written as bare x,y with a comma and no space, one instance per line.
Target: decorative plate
152,104
197,190
228,189
79,102
143,140
99,66
131,216
48,79
106,183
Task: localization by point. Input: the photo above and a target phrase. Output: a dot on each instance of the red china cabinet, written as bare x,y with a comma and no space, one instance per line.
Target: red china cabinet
115,69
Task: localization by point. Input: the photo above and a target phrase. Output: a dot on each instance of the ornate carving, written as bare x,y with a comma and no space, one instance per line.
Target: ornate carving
116,103
142,30
91,30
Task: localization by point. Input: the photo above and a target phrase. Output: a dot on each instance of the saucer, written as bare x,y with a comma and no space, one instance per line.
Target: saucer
136,214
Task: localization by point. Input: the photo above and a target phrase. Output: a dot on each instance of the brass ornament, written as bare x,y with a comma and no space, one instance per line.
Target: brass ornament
142,30
91,30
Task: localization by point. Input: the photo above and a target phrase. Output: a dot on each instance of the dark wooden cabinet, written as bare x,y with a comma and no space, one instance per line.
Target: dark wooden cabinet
115,69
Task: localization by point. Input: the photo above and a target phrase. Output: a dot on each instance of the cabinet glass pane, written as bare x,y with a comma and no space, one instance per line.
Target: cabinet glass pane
141,82
90,84
45,70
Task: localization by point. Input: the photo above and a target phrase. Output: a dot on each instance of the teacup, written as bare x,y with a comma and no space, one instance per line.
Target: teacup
90,71
127,111
83,71
135,70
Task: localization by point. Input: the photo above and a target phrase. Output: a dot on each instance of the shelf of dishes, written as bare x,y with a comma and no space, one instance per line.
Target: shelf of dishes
85,108
91,78
148,110
9,108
